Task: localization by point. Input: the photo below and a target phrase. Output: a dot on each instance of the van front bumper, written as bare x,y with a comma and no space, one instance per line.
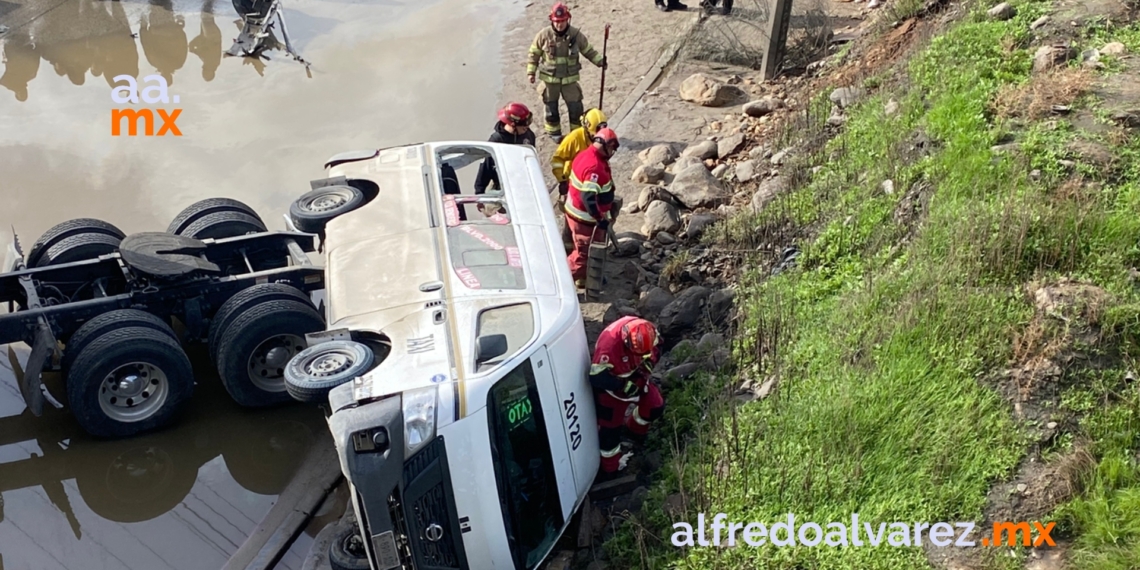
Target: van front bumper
405,506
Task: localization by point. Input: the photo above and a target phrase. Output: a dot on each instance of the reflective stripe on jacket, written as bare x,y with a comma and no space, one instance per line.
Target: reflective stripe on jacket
553,57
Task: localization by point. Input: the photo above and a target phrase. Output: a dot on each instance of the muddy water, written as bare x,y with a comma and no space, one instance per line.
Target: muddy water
383,73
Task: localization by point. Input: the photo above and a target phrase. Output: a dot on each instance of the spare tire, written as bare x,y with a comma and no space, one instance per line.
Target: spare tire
78,247
314,209
315,371
62,231
205,207
220,225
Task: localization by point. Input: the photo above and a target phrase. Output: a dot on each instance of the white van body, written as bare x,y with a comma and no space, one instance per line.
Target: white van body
454,463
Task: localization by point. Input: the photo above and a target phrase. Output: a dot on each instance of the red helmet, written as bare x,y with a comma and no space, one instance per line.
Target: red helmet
560,13
608,137
640,336
515,114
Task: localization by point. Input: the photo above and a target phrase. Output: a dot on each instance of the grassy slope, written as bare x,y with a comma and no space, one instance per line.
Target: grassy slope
879,341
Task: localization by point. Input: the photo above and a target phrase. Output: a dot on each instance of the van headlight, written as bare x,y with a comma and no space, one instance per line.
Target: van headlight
419,418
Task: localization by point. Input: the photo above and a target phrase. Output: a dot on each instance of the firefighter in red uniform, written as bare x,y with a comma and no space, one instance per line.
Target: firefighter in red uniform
624,357
589,199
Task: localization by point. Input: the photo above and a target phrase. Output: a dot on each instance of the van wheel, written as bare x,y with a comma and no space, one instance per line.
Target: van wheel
256,347
107,322
78,247
346,549
245,299
313,373
197,210
313,210
67,229
127,381
220,225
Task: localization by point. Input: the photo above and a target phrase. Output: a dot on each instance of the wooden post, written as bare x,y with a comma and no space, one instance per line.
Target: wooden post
778,20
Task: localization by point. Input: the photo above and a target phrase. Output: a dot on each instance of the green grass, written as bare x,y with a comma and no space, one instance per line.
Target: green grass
879,339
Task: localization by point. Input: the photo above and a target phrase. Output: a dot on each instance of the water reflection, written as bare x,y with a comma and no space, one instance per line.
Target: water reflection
97,37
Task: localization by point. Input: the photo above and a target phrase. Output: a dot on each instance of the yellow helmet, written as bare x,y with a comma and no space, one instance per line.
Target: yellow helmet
592,119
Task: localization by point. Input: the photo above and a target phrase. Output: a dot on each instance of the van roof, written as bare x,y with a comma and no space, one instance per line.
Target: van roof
407,267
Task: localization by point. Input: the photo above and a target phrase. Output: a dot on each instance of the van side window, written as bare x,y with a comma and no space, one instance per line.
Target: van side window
524,470
516,322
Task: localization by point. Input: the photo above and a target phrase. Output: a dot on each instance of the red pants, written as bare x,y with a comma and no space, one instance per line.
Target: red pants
612,418
582,233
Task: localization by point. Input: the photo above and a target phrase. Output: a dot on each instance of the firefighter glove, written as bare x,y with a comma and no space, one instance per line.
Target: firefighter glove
564,187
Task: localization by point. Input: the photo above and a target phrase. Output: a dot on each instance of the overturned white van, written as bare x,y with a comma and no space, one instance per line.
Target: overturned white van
455,361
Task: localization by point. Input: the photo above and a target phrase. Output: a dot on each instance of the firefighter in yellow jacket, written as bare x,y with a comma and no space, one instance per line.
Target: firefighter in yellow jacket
554,60
574,143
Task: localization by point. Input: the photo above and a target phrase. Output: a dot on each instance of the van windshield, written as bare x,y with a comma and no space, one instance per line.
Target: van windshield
528,492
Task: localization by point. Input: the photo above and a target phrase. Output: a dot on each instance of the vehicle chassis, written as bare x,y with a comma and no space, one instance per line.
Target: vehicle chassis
48,304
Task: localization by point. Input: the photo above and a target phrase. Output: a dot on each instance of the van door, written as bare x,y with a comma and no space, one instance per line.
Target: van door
552,414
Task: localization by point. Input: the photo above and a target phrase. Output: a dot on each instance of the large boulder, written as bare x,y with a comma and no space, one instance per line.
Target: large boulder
720,304
1049,57
684,312
696,187
704,90
702,150
768,191
762,106
660,217
653,302
649,174
662,154
745,170
729,145
846,96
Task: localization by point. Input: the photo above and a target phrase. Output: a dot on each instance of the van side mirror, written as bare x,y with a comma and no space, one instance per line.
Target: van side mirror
490,346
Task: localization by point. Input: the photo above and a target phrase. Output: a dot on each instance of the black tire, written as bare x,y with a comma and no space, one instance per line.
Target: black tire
314,209
243,300
255,348
136,481
221,225
111,353
313,373
346,552
106,322
205,207
78,247
67,229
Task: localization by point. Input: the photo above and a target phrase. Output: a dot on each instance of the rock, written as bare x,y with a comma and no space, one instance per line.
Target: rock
698,223
846,96
709,163
781,156
1004,148
561,561
766,388
666,238
660,216
837,118
888,187
1048,57
1051,425
1114,49
758,152
1039,22
768,191
596,565
683,351
695,187
729,145
718,359
653,302
647,196
719,171
1022,487
702,150
678,373
1127,119
706,91
684,311
891,108
1002,11
627,311
710,342
637,499
658,154
1092,55
762,107
627,247
654,461
649,174
745,171
720,303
